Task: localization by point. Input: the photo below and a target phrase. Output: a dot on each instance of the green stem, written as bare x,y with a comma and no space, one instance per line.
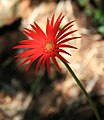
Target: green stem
84,91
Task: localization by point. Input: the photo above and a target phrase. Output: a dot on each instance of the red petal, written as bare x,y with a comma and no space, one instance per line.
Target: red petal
39,62
43,62
68,39
57,24
28,66
64,45
63,51
31,59
48,64
55,62
49,29
23,46
27,42
33,27
39,31
63,31
65,35
52,20
25,53
52,30
28,59
31,33
68,24
60,57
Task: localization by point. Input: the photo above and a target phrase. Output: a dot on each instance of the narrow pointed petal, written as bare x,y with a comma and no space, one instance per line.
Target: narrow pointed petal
28,66
55,62
57,24
48,64
39,31
68,24
39,62
23,46
48,29
43,63
63,51
60,57
67,46
67,39
31,33
25,53
59,19
31,59
66,34
34,28
63,30
27,42
52,20
23,62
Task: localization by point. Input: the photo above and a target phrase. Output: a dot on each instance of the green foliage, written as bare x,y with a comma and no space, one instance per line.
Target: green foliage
101,29
97,14
88,11
61,26
82,3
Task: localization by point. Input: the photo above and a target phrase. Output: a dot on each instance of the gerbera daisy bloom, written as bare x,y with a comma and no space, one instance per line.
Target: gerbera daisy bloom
45,46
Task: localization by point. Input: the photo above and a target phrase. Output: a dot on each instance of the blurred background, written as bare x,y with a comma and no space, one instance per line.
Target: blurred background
27,96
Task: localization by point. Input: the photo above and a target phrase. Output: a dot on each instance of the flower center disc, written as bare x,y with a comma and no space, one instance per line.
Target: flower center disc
49,46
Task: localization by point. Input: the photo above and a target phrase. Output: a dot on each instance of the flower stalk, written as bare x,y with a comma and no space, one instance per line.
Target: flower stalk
45,46
84,91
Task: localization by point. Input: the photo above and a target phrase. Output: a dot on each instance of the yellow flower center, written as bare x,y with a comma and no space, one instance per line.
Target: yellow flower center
49,46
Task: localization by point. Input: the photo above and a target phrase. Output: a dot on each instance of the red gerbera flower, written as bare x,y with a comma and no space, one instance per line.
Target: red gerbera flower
46,46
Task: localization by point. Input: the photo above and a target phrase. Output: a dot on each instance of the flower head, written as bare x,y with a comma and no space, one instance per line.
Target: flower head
45,46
